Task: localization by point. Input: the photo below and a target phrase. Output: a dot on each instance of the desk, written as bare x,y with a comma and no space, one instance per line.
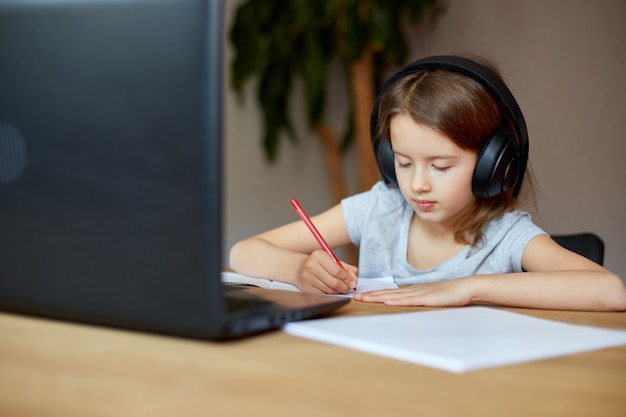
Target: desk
51,368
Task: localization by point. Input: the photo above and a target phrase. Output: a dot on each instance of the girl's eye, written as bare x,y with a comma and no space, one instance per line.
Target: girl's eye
404,164
441,169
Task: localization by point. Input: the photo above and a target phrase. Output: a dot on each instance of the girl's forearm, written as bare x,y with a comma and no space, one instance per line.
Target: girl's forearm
563,290
259,258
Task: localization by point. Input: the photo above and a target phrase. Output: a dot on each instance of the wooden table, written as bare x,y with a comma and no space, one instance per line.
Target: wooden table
52,368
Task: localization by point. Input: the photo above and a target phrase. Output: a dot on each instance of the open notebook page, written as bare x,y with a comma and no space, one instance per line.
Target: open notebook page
364,284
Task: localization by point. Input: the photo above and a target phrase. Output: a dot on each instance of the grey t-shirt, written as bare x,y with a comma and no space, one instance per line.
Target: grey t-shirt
378,221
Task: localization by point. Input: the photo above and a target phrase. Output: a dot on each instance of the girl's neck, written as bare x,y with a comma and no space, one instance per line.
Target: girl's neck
428,230
430,244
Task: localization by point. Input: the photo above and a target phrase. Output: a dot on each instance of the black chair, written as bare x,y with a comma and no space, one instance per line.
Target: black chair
588,245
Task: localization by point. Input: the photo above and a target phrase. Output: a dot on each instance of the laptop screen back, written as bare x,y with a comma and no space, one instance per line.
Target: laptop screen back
110,153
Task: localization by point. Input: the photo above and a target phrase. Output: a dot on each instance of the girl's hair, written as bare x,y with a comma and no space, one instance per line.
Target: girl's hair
464,111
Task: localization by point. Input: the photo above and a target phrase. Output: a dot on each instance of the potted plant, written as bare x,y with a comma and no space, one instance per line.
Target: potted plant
281,40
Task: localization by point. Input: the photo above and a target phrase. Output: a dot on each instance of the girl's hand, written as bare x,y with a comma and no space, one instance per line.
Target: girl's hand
452,293
320,273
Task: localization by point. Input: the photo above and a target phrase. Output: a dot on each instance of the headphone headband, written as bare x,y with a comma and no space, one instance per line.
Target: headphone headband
494,85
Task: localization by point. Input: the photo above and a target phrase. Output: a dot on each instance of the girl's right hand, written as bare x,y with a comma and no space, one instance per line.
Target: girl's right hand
320,273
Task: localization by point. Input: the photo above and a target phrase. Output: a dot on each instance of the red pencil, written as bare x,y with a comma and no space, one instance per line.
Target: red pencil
314,230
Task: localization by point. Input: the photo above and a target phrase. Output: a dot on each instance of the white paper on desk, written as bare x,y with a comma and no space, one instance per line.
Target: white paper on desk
363,285
235,278
458,339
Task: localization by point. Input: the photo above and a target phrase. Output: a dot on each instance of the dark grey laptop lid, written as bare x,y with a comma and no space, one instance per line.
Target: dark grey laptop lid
110,169
110,157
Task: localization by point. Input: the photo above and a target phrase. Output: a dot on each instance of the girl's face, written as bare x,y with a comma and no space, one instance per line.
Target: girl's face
434,174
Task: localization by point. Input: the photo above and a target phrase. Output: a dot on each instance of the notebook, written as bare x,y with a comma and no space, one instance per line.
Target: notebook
111,170
363,285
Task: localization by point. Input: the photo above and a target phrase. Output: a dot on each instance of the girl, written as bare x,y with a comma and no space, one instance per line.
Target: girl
452,147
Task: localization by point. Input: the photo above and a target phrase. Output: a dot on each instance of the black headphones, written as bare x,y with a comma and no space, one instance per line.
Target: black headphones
502,161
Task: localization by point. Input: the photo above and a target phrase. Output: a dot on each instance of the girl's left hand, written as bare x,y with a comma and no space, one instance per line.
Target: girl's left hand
452,293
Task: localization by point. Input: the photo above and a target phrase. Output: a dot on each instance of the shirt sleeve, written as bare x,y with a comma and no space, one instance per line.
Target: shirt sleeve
522,231
360,210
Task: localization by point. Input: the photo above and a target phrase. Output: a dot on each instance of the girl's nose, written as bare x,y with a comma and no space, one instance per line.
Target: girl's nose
421,182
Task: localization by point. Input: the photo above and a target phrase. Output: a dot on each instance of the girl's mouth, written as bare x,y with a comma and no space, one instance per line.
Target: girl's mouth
424,205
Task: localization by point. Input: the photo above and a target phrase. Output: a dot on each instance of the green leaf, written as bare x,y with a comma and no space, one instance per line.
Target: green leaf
354,32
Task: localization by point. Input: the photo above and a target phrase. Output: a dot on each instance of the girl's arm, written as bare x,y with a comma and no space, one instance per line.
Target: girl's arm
291,254
555,279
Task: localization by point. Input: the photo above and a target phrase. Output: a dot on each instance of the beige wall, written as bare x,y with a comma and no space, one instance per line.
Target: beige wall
564,61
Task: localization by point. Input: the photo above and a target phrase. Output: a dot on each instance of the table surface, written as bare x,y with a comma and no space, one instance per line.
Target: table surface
52,368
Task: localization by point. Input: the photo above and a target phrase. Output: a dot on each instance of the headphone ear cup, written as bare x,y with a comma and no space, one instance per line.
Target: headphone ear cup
385,159
498,165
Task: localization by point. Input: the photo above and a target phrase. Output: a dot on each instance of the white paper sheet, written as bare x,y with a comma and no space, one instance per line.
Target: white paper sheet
458,339
363,284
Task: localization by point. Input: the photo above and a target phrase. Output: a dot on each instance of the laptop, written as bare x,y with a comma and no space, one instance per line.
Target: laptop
111,170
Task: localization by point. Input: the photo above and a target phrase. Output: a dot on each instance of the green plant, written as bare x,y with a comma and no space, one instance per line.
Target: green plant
281,40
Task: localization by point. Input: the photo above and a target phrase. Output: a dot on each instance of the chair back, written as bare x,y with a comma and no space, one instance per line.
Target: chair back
588,245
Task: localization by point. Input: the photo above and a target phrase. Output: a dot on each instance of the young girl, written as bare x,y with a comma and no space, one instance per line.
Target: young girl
452,147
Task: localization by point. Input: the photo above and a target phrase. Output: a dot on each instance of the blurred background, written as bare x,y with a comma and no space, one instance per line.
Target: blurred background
563,60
